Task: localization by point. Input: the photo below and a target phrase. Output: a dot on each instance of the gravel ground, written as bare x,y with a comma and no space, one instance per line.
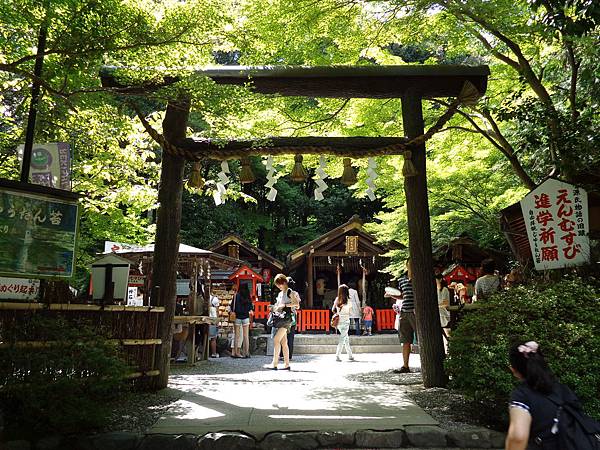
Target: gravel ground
138,411
451,409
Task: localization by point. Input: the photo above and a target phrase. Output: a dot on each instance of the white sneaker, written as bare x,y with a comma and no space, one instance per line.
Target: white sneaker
351,358
338,359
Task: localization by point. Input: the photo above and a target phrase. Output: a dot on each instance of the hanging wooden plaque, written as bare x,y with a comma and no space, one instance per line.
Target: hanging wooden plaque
351,245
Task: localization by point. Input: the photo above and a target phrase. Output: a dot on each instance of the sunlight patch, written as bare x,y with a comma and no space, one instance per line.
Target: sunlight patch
186,410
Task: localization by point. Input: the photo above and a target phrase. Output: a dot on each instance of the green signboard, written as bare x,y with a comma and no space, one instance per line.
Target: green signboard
37,234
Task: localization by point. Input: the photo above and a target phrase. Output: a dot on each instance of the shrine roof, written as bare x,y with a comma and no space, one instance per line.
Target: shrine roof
234,238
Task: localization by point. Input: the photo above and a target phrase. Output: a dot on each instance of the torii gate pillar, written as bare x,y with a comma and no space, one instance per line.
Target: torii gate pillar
420,248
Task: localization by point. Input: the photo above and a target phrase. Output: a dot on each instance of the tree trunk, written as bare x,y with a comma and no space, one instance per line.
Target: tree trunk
419,234
168,224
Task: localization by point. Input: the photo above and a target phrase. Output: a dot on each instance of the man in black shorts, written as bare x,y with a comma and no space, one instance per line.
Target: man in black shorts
408,323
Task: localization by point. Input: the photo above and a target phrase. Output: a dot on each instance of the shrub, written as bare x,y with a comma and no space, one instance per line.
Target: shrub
62,382
564,317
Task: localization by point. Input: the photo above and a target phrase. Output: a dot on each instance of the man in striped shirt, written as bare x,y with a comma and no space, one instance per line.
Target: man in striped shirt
408,323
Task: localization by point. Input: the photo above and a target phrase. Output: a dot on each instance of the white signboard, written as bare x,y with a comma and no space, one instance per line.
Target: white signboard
19,288
133,299
50,164
557,221
183,287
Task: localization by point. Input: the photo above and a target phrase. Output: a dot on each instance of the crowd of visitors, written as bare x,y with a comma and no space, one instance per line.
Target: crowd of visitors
348,314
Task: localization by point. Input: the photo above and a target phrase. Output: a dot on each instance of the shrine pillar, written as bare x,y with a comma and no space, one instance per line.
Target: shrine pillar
419,236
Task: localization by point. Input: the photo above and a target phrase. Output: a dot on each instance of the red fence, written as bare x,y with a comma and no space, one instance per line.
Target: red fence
313,319
385,319
261,310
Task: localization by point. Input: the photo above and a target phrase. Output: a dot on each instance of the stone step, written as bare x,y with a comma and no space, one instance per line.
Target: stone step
324,339
313,349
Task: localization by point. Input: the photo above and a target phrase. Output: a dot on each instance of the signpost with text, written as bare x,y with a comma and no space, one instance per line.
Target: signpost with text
557,221
37,234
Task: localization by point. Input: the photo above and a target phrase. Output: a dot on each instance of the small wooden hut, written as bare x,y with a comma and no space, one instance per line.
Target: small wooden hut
258,260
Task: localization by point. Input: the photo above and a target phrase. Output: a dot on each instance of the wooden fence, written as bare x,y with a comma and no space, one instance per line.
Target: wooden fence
135,328
261,310
313,319
384,319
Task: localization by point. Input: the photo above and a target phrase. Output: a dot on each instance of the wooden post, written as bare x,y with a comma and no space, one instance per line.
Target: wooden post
193,307
364,286
310,281
419,233
168,223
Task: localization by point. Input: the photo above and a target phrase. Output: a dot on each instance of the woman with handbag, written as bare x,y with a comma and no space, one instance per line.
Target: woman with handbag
342,309
281,317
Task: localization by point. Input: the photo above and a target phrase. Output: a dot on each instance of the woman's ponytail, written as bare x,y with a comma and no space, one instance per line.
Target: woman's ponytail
528,360
539,376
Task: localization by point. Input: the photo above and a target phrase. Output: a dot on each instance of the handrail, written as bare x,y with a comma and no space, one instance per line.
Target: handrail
76,307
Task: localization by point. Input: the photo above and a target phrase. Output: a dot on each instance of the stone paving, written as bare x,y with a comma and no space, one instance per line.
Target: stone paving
233,404
319,393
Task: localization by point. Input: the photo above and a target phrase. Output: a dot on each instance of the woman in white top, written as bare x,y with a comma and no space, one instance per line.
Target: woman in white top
342,309
289,299
443,301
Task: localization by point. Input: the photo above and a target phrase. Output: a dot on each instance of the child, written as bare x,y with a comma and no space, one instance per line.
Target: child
367,320
213,330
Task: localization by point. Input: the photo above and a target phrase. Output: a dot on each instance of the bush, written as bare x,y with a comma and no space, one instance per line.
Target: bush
564,317
62,383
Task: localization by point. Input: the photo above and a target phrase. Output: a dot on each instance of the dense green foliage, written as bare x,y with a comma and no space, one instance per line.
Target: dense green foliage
278,227
562,317
540,112
64,386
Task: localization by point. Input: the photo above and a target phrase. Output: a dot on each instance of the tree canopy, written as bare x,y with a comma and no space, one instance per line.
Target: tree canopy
540,113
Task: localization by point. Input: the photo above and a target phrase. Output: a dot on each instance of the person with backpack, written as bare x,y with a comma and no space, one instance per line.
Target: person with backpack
545,414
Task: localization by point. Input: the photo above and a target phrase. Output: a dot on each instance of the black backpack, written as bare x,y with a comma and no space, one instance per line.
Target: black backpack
572,429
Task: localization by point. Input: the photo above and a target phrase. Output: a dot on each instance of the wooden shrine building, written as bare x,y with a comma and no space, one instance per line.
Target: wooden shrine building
467,253
196,268
260,261
346,249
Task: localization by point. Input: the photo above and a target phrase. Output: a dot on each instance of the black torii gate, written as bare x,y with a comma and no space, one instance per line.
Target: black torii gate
410,83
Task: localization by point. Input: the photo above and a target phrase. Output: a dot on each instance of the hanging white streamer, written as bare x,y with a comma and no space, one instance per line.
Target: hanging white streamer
320,179
371,177
219,194
271,179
